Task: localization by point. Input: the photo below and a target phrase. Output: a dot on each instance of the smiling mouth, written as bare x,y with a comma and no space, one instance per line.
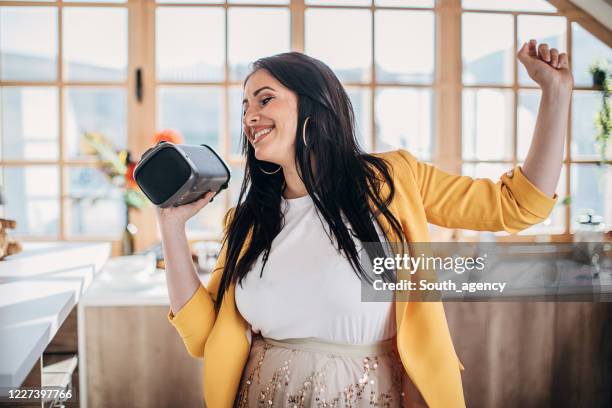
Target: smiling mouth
261,135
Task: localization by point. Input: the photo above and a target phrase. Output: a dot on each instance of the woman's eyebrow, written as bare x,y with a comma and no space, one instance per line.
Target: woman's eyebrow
257,92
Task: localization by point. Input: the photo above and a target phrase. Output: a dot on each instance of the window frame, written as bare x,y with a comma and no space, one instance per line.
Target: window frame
447,87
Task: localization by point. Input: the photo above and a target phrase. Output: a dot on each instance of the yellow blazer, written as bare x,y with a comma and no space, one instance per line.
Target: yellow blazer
424,194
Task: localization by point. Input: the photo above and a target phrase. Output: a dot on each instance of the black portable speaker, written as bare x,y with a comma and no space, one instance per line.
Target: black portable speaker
175,174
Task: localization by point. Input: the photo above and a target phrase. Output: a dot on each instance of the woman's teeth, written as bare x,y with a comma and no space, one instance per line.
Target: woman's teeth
261,134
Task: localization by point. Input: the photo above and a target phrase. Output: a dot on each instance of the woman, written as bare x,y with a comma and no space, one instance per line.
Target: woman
281,322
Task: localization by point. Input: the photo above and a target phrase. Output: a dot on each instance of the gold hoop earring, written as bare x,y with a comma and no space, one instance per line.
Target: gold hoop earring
304,131
271,172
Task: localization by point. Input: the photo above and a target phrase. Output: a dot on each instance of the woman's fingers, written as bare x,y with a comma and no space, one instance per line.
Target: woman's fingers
554,58
563,61
532,48
544,52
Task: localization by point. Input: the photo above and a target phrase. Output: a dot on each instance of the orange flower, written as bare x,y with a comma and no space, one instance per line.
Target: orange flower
129,176
168,135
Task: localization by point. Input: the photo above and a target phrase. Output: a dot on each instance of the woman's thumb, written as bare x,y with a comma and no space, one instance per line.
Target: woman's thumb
523,53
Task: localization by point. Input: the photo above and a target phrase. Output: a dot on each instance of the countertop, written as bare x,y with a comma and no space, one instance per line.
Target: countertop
38,289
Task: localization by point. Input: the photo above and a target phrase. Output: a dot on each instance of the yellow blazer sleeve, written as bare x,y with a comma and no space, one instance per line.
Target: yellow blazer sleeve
196,318
511,204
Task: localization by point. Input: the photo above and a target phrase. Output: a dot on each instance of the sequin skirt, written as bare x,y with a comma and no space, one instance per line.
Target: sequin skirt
311,373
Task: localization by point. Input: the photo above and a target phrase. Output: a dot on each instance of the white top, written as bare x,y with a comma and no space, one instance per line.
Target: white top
309,289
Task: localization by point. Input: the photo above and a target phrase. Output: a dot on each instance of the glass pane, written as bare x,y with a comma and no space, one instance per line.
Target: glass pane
487,41
545,29
235,97
209,220
236,183
197,113
361,99
29,123
404,119
93,1
27,54
514,5
491,171
591,189
259,1
585,106
586,49
487,124
405,3
349,54
248,41
555,223
94,110
400,36
338,2
200,33
191,1
95,44
31,196
93,205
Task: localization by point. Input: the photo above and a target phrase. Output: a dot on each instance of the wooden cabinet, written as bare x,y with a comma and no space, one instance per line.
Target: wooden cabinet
534,354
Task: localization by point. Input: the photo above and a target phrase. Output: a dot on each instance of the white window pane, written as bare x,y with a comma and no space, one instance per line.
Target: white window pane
95,44
29,123
92,1
31,196
586,49
555,223
209,221
404,46
545,29
585,106
514,5
591,187
235,97
348,54
191,1
338,2
487,124
259,1
94,110
405,3
255,33
28,43
236,184
93,206
195,112
491,171
404,119
361,99
200,33
487,48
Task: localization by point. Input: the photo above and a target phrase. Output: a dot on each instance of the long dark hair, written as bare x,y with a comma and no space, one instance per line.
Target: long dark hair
342,181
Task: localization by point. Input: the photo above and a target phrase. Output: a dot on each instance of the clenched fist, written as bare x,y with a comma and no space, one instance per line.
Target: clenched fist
546,66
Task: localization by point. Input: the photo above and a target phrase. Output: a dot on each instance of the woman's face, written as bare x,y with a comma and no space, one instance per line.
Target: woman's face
270,118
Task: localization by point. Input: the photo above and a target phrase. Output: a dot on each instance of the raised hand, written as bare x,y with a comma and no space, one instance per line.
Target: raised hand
546,66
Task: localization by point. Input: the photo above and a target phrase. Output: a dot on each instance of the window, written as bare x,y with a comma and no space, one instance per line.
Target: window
63,72
437,78
500,102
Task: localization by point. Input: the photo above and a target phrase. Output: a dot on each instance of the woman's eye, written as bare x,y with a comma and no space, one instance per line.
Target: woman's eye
265,101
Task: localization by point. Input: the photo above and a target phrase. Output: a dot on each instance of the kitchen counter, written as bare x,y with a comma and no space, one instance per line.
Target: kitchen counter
39,288
106,291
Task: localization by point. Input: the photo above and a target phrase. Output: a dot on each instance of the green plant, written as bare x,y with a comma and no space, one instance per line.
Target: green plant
602,80
118,167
